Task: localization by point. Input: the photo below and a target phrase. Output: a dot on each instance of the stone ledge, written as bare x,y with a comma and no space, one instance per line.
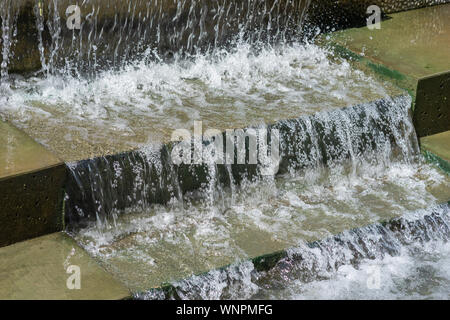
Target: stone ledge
36,269
414,58
31,188
436,148
19,154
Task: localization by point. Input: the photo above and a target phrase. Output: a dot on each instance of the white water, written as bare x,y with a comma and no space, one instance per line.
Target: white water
145,102
421,271
114,32
114,110
146,248
405,259
326,145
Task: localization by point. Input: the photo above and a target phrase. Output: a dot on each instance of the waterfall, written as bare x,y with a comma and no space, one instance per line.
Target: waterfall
317,261
121,76
8,20
344,141
112,33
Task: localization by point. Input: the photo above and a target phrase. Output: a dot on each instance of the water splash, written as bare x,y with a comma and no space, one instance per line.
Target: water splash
113,33
334,154
227,89
265,215
341,142
344,261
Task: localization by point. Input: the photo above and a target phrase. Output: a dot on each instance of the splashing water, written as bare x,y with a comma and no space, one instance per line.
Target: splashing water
134,73
342,140
170,242
340,169
145,102
406,258
115,32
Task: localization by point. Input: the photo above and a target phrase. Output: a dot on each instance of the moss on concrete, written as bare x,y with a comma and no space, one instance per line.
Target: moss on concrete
436,149
438,144
441,163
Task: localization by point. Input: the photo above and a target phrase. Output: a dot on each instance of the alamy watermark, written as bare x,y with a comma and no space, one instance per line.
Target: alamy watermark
73,282
254,146
73,14
374,19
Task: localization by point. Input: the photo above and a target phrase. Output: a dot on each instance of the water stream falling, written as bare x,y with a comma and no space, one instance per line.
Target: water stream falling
342,140
155,28
107,97
9,29
339,170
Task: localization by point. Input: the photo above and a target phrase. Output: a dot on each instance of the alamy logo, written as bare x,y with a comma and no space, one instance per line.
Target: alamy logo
73,14
374,20
259,146
74,280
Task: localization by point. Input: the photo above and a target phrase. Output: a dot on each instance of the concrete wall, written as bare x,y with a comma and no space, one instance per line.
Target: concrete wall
31,205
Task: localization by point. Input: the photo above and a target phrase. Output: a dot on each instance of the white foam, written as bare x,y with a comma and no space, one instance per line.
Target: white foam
419,272
226,87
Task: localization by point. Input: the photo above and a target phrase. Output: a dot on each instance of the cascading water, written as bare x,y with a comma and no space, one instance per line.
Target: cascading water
137,70
226,89
339,170
155,28
8,28
377,133
405,258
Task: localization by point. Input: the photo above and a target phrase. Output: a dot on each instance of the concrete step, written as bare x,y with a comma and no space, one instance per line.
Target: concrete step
31,182
437,149
412,49
42,268
439,144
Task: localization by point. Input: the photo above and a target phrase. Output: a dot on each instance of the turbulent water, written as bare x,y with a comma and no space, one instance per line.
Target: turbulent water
146,102
407,258
253,79
418,272
339,170
146,248
100,39
349,155
376,133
